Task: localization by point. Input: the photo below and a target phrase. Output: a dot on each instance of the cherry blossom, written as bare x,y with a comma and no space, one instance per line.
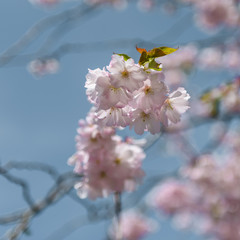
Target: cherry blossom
126,74
131,94
174,106
107,163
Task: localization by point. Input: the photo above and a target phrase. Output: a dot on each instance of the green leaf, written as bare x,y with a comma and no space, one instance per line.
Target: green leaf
125,56
143,58
154,65
161,51
146,57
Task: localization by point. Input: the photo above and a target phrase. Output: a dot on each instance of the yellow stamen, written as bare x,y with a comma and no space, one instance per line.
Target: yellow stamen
144,116
103,174
117,161
125,74
169,104
148,90
114,89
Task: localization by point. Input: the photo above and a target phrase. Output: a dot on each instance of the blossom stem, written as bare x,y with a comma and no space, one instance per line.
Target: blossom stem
118,209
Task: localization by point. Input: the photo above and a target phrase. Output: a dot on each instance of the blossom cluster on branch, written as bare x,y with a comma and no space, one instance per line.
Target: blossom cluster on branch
107,163
135,95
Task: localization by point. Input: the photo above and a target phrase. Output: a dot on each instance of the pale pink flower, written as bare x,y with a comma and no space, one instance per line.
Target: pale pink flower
176,104
151,95
110,96
145,121
126,74
90,84
114,117
127,167
78,159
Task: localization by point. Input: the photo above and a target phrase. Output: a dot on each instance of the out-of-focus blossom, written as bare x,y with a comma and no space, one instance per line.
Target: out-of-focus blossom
210,58
42,67
107,163
133,226
45,3
178,65
206,194
171,197
146,5
212,13
231,58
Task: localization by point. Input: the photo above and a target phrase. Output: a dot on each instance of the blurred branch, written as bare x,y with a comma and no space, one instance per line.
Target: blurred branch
63,185
36,30
43,167
76,48
66,26
23,184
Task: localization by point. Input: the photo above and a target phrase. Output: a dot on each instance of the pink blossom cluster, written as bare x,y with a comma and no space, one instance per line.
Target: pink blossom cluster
207,196
211,14
132,94
107,163
42,67
133,226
